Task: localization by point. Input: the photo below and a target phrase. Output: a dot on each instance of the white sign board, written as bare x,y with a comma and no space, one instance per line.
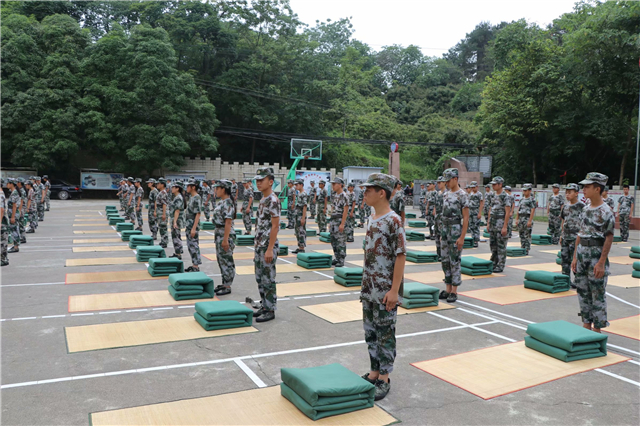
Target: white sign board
101,181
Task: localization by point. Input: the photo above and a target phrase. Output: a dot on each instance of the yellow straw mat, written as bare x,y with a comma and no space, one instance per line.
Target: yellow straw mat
232,409
107,230
101,261
622,260
434,277
626,281
97,240
109,277
99,248
100,224
350,251
280,269
312,287
549,267
138,299
504,369
513,294
627,327
137,333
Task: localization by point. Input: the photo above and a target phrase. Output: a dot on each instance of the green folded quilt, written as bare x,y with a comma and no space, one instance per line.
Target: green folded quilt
617,239
207,226
418,290
416,260
283,225
325,240
476,272
516,252
220,325
636,266
423,255
549,278
567,336
410,215
126,234
485,234
124,227
224,310
417,224
411,304
345,272
283,251
309,257
325,234
136,241
472,262
311,232
150,250
534,285
116,220
110,208
635,249
634,255
635,274
314,265
188,294
191,281
352,282
559,353
322,411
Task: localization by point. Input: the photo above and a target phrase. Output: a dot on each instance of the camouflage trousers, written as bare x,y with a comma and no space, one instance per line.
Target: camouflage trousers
14,231
266,277
193,243
153,223
312,208
300,230
40,207
498,244
555,226
32,219
291,218
380,334
321,219
524,232
437,235
625,221
423,208
591,290
567,247
21,227
121,203
225,258
364,214
4,241
474,226
47,201
176,238
164,233
128,213
246,219
207,211
486,217
430,223
139,217
510,227
338,241
450,254
350,224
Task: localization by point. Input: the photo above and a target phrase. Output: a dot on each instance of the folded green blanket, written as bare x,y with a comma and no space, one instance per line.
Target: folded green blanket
516,252
308,257
147,257
314,265
322,411
311,232
415,260
124,227
283,225
188,294
150,250
540,237
192,280
245,240
347,282
325,239
562,354
617,239
422,254
567,336
220,325
472,262
115,221
635,249
634,255
476,272
207,226
345,272
238,231
486,235
283,251
411,304
223,310
550,278
558,261
417,224
636,266
140,240
534,285
420,290
325,234
410,215
126,234
635,274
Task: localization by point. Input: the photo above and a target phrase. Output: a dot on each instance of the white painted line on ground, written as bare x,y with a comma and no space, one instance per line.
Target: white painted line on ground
53,316
303,297
100,212
186,306
623,301
624,379
25,318
82,315
137,310
324,275
634,362
244,367
492,318
495,312
622,349
109,312
162,309
22,285
473,327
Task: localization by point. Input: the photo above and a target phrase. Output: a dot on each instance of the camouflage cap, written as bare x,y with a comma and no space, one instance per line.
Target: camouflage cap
351,185
488,185
556,185
573,186
299,182
473,184
247,181
192,182
162,181
20,180
38,178
178,184
45,177
263,172
29,182
223,183
497,180
508,188
313,181
138,180
12,181
321,182
450,174
338,180
594,177
606,188
130,179
381,180
151,180
440,179
527,187
289,182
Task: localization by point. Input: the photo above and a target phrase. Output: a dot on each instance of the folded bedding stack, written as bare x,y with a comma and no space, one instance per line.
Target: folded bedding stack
124,227
635,252
565,341
468,242
325,237
482,223
112,215
516,252
417,224
245,240
161,267
417,295
284,250
326,391
190,285
238,215
282,225
475,266
146,253
238,231
550,282
541,240
485,234
311,233
548,231
617,239
314,260
116,220
348,277
415,236
410,215
421,256
126,234
636,270
136,241
207,226
559,258
110,208
223,314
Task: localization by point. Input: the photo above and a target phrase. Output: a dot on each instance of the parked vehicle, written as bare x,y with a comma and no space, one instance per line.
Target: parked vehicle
64,190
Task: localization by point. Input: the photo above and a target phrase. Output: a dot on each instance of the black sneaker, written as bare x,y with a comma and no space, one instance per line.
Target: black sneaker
223,291
13,250
247,233
154,237
266,316
179,256
163,246
258,313
30,231
452,297
350,240
443,295
298,251
23,241
573,286
382,389
334,262
190,269
4,262
339,265
366,377
497,270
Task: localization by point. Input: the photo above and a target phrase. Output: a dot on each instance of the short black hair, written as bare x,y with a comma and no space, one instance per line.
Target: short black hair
625,186
597,185
387,193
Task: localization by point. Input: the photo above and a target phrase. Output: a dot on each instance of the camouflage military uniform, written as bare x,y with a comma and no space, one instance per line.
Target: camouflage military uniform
497,242
291,192
351,220
526,208
624,212
475,198
121,192
453,204
47,198
397,203
438,205
4,237
430,218
384,241
302,199
364,209
206,202
163,200
130,203
595,225
40,203
152,215
321,202
555,207
23,212
14,228
268,209
312,202
177,205
32,212
423,202
234,193
247,204
488,199
193,243
512,203
138,198
609,202
338,239
225,210
571,215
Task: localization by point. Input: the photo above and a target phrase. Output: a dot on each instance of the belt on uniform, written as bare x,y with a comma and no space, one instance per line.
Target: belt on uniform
592,242
447,221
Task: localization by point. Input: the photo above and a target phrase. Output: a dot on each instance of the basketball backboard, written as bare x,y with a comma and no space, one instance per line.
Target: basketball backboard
306,149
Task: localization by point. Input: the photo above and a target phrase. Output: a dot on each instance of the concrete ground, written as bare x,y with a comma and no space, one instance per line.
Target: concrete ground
43,384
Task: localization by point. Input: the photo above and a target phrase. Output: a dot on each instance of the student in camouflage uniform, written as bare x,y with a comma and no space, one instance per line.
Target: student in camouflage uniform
4,233
266,244
177,207
312,199
423,201
291,200
590,260
512,203
438,204
162,211
556,202
206,199
321,202
31,209
363,208
500,211
524,218
234,191
247,206
455,220
22,207
397,201
488,195
152,216
429,207
225,235
41,194
192,225
608,200
337,224
47,191
139,194
351,218
476,204
571,216
300,216
129,206
13,213
385,248
625,212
